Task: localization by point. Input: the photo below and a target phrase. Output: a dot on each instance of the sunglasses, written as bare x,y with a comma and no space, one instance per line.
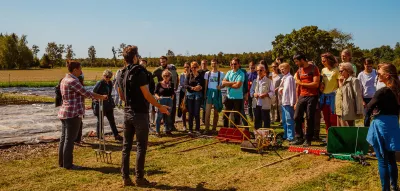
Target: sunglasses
108,77
234,64
260,70
167,76
340,71
194,67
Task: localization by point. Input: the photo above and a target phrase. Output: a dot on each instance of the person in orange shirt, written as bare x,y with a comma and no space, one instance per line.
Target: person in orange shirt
307,80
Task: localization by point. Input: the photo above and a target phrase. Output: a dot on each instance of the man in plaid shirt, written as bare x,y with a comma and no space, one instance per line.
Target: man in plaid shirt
71,113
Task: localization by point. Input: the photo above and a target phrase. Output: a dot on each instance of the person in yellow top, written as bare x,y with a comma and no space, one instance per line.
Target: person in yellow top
330,83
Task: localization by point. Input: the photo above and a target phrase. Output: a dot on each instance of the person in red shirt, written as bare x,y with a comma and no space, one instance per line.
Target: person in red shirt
71,112
307,81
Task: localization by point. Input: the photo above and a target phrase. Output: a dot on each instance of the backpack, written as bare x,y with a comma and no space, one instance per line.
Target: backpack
58,100
128,74
174,75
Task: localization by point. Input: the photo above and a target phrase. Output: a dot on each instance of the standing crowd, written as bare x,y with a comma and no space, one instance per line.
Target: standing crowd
270,93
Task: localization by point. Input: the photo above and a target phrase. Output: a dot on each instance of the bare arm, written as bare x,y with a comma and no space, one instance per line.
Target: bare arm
313,84
147,95
236,85
121,94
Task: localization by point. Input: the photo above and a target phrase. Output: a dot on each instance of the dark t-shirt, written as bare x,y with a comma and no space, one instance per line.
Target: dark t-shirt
164,92
139,103
192,81
384,101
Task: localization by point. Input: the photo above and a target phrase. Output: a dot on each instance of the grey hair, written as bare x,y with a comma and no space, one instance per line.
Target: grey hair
348,67
261,65
107,73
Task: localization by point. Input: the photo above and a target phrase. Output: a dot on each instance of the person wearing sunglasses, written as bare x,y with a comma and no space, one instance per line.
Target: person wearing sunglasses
164,93
264,92
104,87
234,80
348,99
194,86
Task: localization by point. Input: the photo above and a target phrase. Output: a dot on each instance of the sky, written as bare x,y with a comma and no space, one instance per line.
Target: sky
193,26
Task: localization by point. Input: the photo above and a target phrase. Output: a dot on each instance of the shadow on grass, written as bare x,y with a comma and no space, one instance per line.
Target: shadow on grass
117,170
199,187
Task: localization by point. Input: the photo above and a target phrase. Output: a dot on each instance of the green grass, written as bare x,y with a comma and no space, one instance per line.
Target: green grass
37,84
12,99
216,167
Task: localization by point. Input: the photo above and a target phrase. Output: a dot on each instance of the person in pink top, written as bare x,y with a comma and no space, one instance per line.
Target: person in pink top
71,112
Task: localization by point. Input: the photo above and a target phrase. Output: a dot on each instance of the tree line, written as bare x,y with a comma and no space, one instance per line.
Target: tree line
312,41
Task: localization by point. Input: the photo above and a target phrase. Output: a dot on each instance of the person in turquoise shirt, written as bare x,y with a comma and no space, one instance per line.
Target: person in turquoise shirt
234,81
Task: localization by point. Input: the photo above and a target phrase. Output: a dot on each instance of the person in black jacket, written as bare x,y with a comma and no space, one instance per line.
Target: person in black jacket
104,87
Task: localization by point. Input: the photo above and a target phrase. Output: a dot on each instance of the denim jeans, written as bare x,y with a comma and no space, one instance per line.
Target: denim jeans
167,118
135,123
69,131
387,168
109,114
288,122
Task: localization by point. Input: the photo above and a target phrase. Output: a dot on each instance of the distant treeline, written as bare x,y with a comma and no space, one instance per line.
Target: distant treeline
14,53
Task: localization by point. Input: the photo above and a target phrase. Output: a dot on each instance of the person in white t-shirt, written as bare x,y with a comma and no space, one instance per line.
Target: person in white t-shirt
213,98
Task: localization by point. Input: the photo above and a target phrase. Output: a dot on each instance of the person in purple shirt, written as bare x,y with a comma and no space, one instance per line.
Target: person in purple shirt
252,76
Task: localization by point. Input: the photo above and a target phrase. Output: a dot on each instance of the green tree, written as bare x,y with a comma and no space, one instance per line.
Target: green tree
70,53
45,61
397,50
92,55
121,49
54,53
114,57
35,50
310,40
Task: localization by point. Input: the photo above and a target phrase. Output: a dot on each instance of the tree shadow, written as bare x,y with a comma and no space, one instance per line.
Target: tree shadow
117,170
199,187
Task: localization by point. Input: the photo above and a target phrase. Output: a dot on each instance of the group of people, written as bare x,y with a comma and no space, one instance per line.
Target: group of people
271,94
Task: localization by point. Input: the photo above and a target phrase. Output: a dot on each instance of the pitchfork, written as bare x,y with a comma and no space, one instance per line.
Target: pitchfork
102,154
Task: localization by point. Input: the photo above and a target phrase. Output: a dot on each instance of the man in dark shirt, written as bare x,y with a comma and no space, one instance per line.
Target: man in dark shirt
136,116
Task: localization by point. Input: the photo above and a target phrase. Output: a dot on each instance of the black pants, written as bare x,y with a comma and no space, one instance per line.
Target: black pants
194,112
110,117
235,105
180,113
135,123
262,115
308,105
69,131
367,119
250,108
173,113
79,136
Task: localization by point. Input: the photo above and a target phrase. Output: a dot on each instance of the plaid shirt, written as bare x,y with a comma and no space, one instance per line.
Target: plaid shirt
73,95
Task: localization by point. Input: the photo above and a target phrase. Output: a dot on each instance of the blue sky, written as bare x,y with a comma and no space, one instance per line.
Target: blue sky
194,26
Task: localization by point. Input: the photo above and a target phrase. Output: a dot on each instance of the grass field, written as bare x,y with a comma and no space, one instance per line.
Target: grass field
50,77
217,167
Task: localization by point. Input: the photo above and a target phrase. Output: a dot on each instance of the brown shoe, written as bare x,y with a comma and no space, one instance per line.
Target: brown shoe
128,182
143,182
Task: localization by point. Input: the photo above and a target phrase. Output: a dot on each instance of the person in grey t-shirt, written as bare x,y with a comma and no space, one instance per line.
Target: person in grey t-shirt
367,80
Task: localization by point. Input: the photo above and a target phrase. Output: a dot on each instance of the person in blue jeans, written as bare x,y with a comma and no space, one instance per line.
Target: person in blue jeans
194,85
384,132
164,93
287,89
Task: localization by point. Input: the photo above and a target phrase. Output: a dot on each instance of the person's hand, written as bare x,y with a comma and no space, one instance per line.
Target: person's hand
280,91
164,109
255,95
364,103
298,81
218,87
104,97
246,97
322,87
